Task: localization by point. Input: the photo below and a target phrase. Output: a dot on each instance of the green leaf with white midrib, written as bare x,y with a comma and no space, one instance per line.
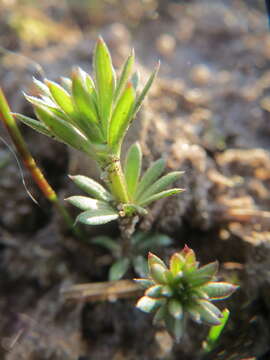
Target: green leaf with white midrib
151,174
105,82
132,168
160,185
125,74
121,118
91,187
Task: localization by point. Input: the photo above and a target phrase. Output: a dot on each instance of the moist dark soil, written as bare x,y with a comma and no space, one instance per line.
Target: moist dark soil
207,114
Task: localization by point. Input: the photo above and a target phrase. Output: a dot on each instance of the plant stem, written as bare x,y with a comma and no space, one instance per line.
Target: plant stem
29,162
117,180
127,228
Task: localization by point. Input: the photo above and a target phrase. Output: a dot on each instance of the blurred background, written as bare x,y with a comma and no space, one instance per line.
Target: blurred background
208,113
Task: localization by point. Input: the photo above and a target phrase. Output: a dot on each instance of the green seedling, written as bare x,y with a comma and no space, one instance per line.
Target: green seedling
182,291
141,244
215,332
93,115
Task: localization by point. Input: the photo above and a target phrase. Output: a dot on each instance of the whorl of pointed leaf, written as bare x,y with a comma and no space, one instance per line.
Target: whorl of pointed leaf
93,116
182,291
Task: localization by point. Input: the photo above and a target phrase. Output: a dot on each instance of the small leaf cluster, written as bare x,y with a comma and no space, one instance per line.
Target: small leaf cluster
140,244
89,114
93,115
102,207
183,290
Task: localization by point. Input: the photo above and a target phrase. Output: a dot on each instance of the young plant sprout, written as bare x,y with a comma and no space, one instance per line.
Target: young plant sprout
183,290
93,115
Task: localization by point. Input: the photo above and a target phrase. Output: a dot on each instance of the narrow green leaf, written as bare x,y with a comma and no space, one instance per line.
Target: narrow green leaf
86,113
132,168
154,291
49,104
144,283
138,237
61,97
42,87
118,269
176,263
154,241
161,184
160,195
145,90
151,174
140,265
83,97
175,327
98,216
125,74
34,124
105,81
86,203
148,304
203,275
190,259
215,332
66,83
175,308
219,290
92,187
68,133
153,259
107,243
45,101
160,314
194,314
207,315
121,117
157,273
